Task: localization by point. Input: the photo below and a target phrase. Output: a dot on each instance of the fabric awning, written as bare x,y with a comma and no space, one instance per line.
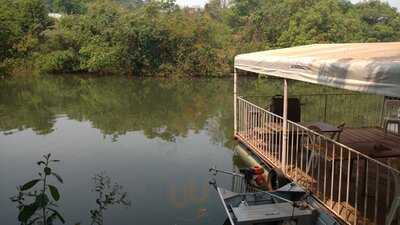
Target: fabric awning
365,67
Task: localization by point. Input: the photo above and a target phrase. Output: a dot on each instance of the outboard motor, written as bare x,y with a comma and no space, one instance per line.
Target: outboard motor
256,177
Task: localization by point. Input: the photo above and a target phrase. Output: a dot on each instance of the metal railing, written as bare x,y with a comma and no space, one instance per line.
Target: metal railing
357,109
238,185
355,187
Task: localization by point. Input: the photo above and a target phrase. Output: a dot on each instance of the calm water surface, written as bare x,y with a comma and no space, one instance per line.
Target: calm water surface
156,138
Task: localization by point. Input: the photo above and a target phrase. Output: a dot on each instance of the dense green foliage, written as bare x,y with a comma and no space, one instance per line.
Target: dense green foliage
284,23
159,38
21,25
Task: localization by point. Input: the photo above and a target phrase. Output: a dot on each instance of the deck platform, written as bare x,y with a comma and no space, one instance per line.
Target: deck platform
353,172
358,206
373,142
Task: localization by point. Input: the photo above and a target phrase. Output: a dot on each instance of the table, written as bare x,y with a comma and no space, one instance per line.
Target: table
375,149
322,127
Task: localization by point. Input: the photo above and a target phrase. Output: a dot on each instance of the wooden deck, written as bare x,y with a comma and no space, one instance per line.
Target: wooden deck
368,188
356,175
373,142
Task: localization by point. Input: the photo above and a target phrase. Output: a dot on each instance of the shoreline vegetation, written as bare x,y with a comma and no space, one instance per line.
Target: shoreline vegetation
159,38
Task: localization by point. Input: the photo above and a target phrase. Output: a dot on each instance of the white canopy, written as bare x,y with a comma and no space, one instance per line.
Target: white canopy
365,67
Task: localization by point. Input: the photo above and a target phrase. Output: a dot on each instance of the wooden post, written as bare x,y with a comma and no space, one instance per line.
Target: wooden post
234,100
284,128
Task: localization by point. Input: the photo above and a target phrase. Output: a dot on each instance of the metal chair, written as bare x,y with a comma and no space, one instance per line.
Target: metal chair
336,136
391,115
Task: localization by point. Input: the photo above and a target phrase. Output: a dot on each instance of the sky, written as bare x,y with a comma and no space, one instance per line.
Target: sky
201,3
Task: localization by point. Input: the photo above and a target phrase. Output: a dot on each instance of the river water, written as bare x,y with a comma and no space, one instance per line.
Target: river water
156,138
152,140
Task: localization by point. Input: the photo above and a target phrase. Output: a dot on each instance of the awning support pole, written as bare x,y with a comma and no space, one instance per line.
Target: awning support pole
383,112
234,100
284,128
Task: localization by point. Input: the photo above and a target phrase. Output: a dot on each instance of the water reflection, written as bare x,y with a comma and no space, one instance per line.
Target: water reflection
164,109
191,194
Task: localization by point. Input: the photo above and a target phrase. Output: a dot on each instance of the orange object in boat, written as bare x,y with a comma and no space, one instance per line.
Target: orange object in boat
258,170
260,180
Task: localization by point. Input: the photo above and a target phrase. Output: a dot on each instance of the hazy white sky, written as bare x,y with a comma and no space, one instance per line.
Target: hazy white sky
395,3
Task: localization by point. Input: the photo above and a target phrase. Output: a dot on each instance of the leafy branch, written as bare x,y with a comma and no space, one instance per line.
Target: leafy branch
33,202
108,194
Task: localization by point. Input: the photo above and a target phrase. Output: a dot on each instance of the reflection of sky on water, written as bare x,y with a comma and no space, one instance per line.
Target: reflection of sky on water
166,182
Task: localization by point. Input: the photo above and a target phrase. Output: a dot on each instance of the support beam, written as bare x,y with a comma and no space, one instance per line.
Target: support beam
234,100
284,128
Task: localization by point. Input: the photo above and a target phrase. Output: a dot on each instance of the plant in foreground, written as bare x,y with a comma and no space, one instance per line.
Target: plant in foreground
108,194
33,202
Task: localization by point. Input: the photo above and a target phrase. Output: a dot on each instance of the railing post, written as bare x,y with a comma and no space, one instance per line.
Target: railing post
325,106
284,128
234,100
381,119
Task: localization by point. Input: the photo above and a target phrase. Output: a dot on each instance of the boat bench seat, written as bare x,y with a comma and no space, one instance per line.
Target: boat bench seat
272,213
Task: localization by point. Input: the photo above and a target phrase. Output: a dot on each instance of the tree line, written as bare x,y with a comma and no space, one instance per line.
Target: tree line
159,38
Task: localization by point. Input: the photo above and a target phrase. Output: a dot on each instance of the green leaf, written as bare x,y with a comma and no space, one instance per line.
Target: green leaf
42,200
58,177
29,184
54,192
40,162
46,156
33,221
51,218
47,170
58,215
27,212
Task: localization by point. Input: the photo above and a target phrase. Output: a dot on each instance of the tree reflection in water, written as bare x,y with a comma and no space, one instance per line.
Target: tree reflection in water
165,109
160,108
